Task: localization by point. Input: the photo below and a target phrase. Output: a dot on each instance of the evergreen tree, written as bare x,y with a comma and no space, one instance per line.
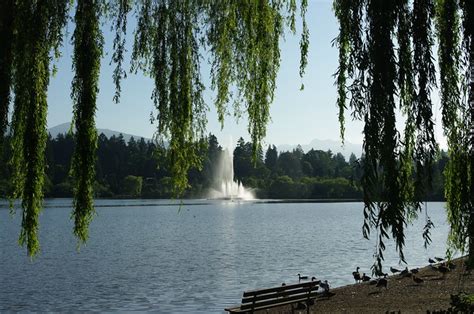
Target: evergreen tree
271,158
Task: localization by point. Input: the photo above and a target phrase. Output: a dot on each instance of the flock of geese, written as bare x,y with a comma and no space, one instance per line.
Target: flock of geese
438,264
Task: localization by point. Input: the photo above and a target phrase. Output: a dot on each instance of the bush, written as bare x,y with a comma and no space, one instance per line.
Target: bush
132,186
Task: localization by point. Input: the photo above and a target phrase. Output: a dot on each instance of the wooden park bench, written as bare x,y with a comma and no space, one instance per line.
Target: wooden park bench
256,300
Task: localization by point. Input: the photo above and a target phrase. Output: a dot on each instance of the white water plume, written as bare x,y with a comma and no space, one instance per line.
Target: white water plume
224,185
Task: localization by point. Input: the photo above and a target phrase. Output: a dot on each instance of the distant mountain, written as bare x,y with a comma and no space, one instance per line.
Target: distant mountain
64,128
325,145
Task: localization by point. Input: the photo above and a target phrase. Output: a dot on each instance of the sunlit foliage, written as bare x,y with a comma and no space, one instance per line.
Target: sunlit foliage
386,65
37,34
87,39
241,38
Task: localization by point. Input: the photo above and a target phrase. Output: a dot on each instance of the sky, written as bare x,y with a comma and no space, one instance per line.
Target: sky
297,117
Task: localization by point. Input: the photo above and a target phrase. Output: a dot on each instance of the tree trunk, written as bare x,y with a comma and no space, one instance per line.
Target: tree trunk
471,158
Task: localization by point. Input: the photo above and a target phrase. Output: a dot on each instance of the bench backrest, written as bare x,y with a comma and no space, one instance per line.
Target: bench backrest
268,297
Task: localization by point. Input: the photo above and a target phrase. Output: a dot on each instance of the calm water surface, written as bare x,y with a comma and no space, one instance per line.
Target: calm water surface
147,255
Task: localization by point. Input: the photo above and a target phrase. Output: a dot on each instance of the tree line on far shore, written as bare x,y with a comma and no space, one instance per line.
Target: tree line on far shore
140,168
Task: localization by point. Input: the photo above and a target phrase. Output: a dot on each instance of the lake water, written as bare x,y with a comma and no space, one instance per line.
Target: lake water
148,255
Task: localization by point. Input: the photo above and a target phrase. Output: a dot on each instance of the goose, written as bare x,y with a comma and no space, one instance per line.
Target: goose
451,265
405,272
443,269
382,282
365,277
432,261
317,281
380,274
324,285
417,280
302,277
300,306
356,275
329,294
284,295
394,270
439,259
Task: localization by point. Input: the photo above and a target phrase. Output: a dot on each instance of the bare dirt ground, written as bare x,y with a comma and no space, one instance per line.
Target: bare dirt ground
402,294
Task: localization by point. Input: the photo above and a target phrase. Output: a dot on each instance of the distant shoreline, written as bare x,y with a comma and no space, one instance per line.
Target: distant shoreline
201,202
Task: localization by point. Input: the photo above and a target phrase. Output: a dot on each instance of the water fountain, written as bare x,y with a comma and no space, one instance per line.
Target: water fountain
224,185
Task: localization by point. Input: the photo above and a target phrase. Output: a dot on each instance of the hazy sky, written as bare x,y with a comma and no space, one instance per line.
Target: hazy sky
297,116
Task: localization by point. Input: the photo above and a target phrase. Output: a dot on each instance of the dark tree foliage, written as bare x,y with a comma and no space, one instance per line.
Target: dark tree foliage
140,169
120,164
245,165
376,69
271,158
6,58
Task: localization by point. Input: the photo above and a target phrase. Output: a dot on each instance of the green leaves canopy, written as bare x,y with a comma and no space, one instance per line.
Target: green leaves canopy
241,37
385,58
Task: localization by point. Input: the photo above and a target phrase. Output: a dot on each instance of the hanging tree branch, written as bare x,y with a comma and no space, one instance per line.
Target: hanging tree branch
391,196
243,39
38,28
424,72
468,49
88,43
120,13
6,59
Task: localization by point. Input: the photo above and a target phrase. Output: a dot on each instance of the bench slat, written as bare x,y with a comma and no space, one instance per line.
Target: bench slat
292,299
282,303
275,295
281,288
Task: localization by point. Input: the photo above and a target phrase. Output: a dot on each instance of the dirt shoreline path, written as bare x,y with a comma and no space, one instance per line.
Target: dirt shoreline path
402,294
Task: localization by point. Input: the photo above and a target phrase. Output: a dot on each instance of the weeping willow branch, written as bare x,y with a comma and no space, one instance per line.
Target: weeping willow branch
342,12
377,68
304,42
242,37
120,16
397,173
87,39
406,83
449,55
170,53
426,147
6,59
243,40
468,49
352,59
38,28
